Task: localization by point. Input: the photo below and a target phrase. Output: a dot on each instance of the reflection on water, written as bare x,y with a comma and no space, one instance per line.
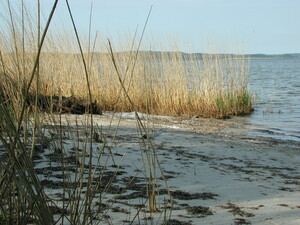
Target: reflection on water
277,111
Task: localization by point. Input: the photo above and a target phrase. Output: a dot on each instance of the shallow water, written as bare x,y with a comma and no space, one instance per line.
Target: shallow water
276,84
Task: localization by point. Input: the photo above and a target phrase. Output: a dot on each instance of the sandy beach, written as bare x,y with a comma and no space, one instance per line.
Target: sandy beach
214,174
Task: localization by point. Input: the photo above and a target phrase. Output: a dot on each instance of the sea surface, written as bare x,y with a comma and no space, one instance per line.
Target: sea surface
276,85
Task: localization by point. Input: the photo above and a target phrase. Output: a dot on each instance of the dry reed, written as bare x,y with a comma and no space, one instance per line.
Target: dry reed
162,83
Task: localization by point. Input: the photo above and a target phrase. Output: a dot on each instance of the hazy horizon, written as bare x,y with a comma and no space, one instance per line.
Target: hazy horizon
250,26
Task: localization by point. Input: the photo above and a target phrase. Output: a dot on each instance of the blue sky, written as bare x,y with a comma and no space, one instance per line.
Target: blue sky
255,26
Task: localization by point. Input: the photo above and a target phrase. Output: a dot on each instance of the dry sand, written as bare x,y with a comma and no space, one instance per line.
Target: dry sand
215,175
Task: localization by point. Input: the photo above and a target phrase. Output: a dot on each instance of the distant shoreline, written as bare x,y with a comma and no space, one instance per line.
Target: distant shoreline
277,56
187,56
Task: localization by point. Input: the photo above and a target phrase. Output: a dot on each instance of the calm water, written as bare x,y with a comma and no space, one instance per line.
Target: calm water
277,111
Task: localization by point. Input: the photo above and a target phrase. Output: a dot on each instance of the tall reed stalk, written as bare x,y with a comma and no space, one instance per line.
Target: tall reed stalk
21,192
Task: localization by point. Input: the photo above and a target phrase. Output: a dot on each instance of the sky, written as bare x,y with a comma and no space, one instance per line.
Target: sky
251,26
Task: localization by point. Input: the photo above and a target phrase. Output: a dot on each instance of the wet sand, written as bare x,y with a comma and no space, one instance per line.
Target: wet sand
213,174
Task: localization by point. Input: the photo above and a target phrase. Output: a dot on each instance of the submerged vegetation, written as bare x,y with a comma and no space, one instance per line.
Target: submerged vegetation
43,70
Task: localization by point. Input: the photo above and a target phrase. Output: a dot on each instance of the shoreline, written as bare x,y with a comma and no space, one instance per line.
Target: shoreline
203,174
214,177
232,127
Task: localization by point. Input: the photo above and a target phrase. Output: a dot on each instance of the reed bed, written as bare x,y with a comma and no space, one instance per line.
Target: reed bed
161,83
